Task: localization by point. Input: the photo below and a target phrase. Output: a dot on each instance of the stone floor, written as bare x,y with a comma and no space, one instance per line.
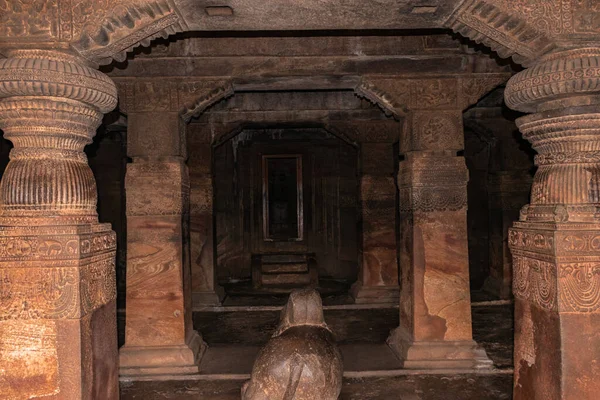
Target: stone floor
235,334
407,387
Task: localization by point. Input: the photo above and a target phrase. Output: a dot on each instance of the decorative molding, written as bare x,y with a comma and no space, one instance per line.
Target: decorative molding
536,281
433,199
569,73
125,26
505,33
66,275
205,100
432,183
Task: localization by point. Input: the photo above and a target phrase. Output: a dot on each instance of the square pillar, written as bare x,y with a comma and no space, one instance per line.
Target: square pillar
205,290
378,261
435,306
159,337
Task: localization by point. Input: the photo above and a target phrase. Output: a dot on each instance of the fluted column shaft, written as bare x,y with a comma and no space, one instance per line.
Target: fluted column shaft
556,243
57,263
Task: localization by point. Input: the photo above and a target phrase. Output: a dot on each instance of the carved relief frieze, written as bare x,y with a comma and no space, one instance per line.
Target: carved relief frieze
53,246
428,184
435,130
398,95
432,199
56,292
189,98
573,287
557,17
30,20
535,280
99,30
580,286
556,270
534,241
433,93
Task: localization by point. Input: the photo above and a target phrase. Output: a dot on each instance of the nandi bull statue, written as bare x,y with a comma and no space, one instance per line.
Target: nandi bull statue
301,360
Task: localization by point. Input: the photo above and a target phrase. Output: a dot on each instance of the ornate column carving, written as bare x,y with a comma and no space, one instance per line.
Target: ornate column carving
556,242
58,335
378,280
159,336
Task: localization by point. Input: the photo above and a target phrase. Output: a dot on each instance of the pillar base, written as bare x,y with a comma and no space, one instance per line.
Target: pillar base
375,294
162,361
208,297
464,354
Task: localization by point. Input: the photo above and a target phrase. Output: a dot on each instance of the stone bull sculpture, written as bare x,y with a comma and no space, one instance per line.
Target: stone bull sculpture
301,360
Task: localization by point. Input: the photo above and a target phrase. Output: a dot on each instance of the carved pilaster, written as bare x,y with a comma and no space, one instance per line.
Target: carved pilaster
58,334
378,261
555,243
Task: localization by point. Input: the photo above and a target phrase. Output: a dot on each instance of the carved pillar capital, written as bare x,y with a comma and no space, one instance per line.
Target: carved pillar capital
563,92
51,104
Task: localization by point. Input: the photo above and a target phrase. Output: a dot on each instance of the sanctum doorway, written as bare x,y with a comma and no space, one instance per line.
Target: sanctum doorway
286,212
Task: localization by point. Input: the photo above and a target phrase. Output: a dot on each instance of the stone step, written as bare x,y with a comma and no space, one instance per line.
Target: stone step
286,279
284,268
283,258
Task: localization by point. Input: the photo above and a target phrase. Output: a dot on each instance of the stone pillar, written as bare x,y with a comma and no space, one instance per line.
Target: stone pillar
205,290
435,306
508,191
58,336
378,262
159,336
556,242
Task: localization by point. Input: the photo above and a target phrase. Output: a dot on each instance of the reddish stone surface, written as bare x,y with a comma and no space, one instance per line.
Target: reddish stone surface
60,261
159,337
378,280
